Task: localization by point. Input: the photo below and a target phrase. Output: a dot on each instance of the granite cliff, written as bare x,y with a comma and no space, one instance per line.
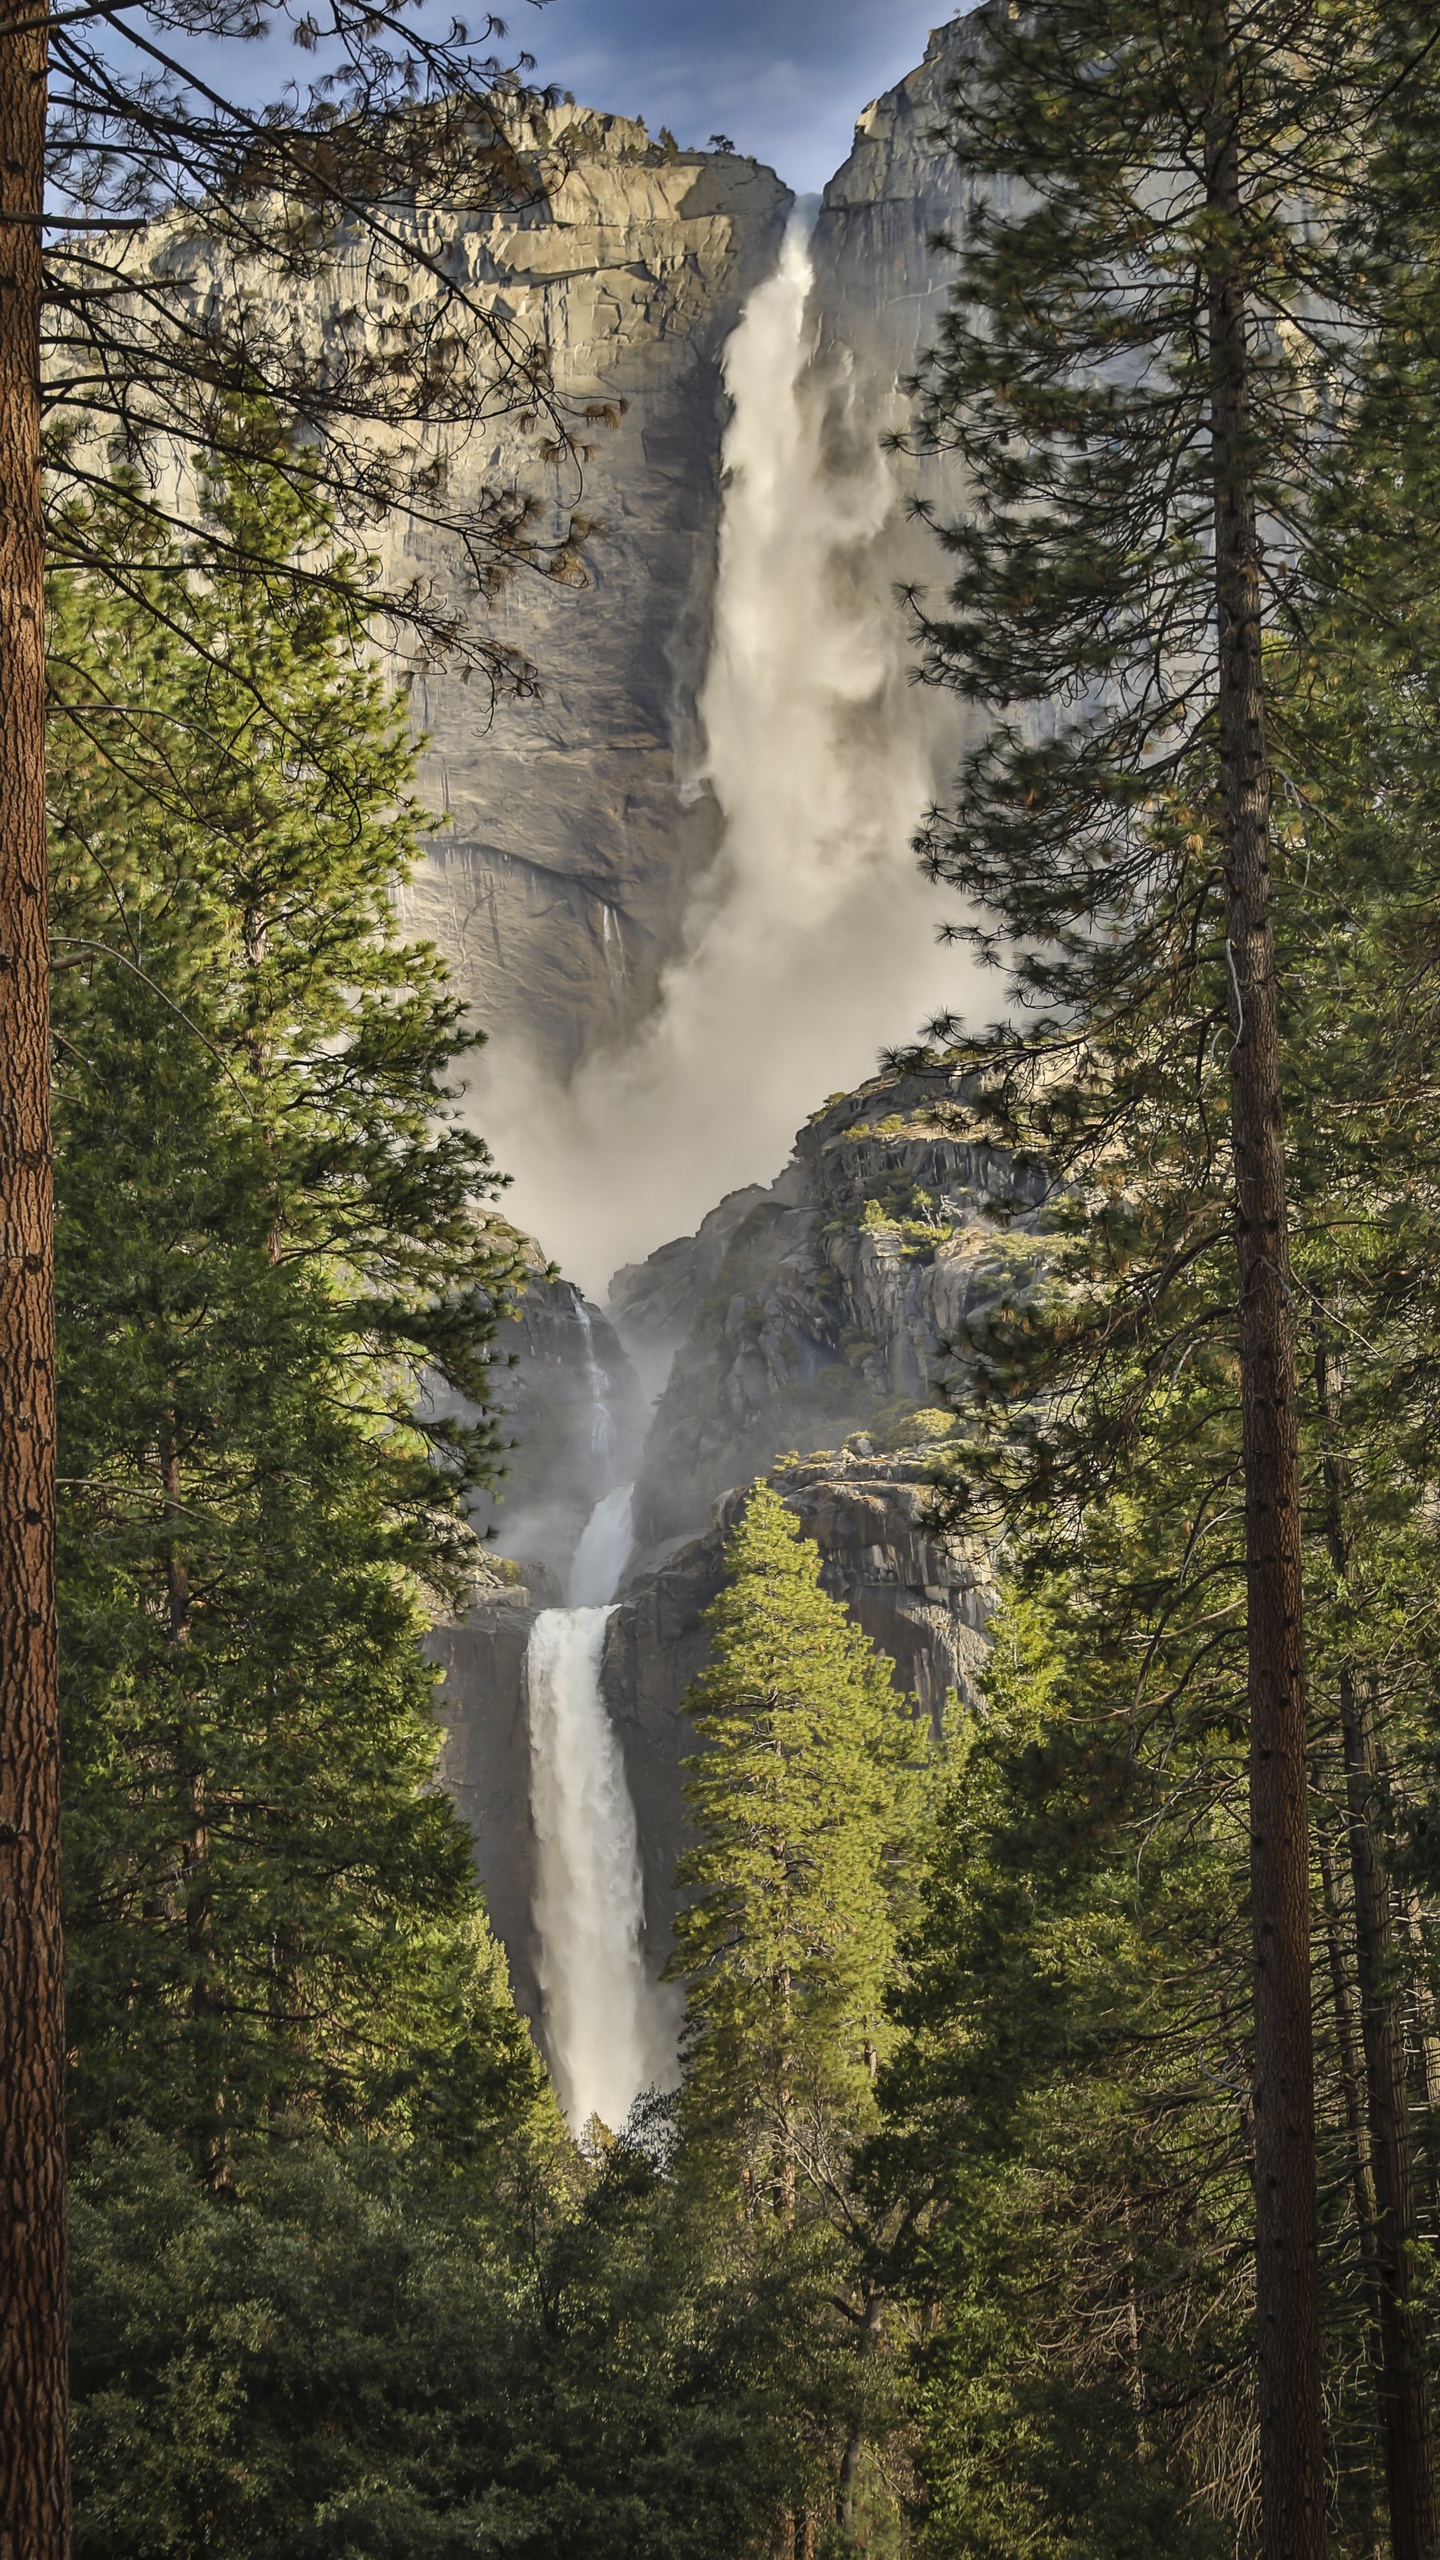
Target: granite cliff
800,1314
817,1314
580,826
575,829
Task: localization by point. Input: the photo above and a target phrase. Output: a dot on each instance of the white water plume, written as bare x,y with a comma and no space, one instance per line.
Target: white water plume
609,2030
603,1552
602,1424
811,945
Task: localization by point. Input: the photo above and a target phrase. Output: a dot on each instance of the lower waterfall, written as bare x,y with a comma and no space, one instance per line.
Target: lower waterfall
609,2029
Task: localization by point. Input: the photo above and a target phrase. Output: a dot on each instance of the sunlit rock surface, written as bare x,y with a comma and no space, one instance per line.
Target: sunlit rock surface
920,1596
576,829
880,285
821,1303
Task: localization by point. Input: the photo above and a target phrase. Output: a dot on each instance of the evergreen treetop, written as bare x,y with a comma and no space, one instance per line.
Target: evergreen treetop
271,1225
795,1795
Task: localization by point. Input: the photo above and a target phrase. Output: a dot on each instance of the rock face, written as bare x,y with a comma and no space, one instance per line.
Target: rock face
575,1418
576,828
827,1303
485,1761
819,1312
922,1598
880,286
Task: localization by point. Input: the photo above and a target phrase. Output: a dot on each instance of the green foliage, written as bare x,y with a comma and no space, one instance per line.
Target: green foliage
786,1947
341,2283
803,1797
1065,2119
901,1423
268,1227
360,2352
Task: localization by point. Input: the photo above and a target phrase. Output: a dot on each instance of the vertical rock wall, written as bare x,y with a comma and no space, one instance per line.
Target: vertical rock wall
576,831
577,826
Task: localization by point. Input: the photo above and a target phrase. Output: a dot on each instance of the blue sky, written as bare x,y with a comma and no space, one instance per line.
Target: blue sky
784,78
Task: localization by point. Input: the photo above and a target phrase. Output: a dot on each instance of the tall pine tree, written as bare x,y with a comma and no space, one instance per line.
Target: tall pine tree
786,1948
802,1798
271,1227
1161,282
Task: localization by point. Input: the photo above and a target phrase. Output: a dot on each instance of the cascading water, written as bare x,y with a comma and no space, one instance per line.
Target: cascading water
609,2028
603,1552
807,947
812,942
602,1424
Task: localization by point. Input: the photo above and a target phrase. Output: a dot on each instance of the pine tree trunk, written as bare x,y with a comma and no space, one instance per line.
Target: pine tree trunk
1427,2033
1406,2419
1347,2034
1406,2422
1287,2291
34,2478
855,2441
1352,2070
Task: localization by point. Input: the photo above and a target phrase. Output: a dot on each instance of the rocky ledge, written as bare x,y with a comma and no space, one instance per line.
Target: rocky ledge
833,1303
922,1596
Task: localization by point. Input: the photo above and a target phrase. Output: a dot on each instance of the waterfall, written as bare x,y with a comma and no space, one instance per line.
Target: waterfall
609,2028
602,1424
812,941
603,1552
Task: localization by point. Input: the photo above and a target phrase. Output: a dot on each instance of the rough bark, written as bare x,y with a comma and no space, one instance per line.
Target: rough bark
1406,2420
1352,2069
870,2320
1362,2187
1427,2029
1287,2289
1403,2387
34,2480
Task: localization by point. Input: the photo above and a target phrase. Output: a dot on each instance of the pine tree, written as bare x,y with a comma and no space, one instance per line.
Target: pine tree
1157,309
105,122
1356,687
1065,2117
271,1228
786,1948
1067,2121
803,1798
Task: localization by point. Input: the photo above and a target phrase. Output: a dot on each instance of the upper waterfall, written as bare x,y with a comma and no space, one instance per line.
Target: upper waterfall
808,943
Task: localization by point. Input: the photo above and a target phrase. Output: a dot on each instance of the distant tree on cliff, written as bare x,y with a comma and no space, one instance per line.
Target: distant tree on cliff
1157,322
269,1226
804,1799
786,1949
